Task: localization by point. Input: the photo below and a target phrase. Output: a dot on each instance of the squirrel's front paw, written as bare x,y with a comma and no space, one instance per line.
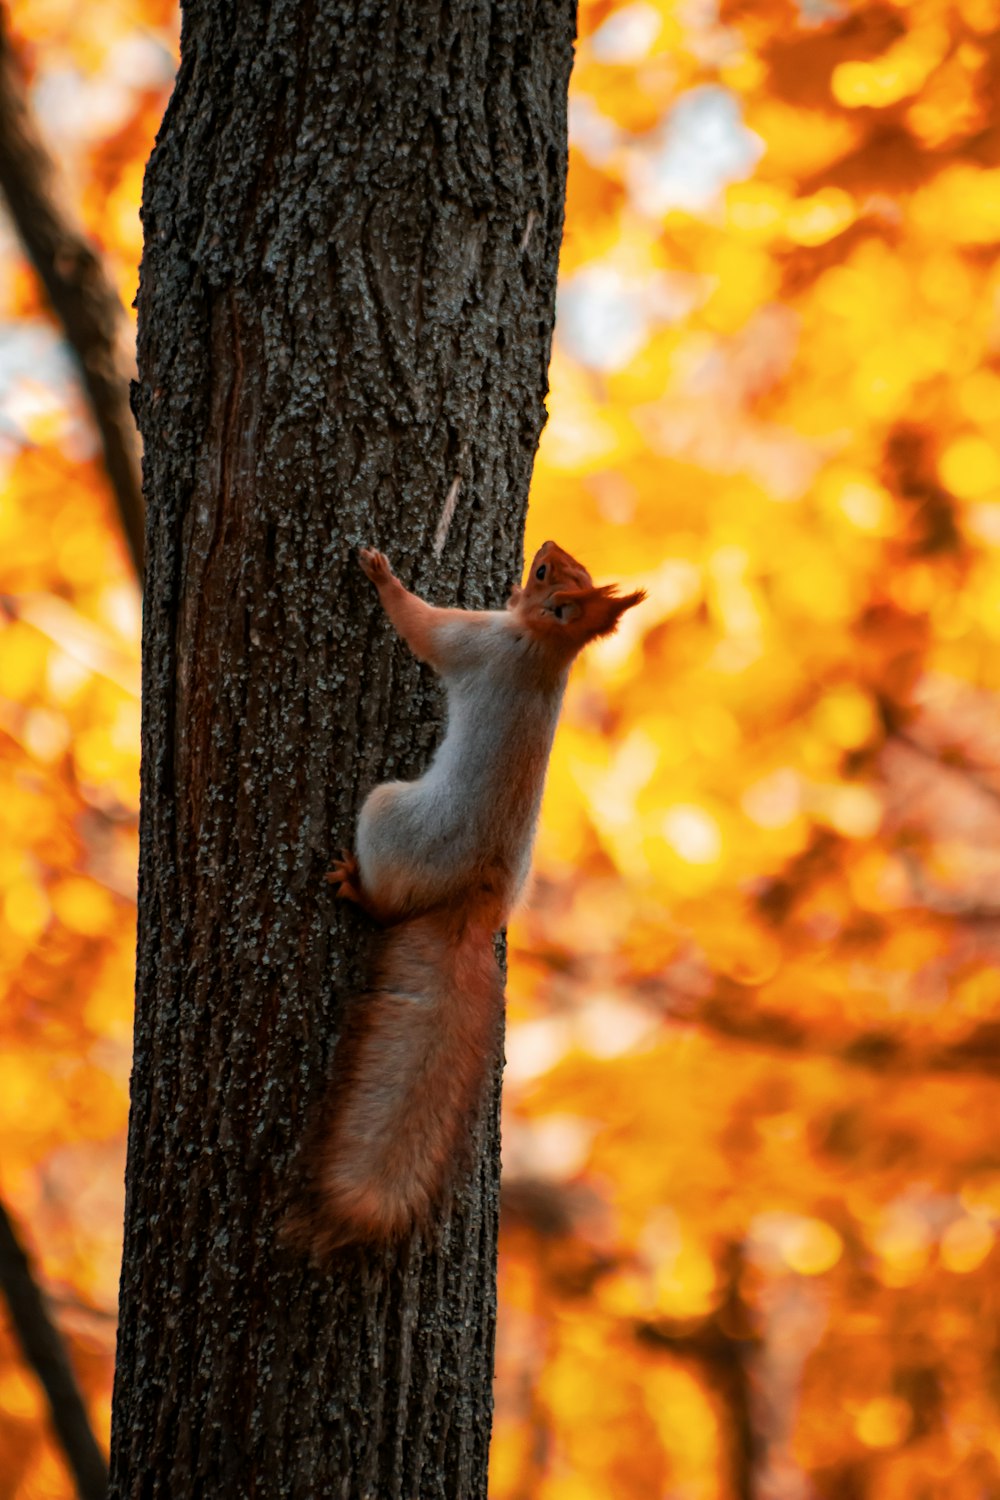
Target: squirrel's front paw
374,565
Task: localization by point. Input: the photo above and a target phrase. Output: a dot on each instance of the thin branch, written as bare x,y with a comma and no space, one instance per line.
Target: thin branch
78,287
971,775
735,1017
78,1305
45,1351
945,903
724,1343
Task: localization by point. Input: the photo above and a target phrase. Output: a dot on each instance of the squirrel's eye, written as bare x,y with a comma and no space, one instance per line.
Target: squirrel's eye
540,572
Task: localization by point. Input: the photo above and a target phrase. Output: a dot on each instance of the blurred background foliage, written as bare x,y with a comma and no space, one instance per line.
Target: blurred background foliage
751,1149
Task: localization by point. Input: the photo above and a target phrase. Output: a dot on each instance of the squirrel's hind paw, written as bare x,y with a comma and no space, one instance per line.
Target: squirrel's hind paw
345,874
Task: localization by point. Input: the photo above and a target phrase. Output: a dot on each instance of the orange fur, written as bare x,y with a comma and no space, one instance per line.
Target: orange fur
410,1069
440,863
563,608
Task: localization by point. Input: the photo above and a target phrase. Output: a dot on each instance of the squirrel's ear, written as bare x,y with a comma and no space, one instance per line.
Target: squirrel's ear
515,596
602,608
565,606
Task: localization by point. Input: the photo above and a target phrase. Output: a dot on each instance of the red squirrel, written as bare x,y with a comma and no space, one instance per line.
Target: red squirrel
440,863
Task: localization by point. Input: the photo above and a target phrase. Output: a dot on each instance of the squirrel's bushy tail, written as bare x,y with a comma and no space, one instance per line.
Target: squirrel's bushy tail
408,1082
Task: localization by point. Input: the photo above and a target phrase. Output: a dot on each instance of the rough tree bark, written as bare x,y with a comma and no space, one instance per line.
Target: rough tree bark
352,221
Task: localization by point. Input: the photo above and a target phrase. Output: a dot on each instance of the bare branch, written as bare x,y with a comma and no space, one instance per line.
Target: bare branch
45,1351
78,287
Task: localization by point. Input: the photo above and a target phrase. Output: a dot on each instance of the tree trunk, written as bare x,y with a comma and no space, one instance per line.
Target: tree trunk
352,223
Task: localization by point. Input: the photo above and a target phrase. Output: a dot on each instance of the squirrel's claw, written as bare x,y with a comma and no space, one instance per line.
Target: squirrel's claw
375,565
345,874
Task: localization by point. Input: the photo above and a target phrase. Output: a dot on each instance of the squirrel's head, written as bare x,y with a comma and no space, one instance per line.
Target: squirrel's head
558,602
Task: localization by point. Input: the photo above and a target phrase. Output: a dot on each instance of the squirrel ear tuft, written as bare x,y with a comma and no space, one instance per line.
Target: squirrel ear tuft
602,608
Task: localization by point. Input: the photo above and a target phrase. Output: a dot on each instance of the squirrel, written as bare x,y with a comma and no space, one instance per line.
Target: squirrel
439,865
